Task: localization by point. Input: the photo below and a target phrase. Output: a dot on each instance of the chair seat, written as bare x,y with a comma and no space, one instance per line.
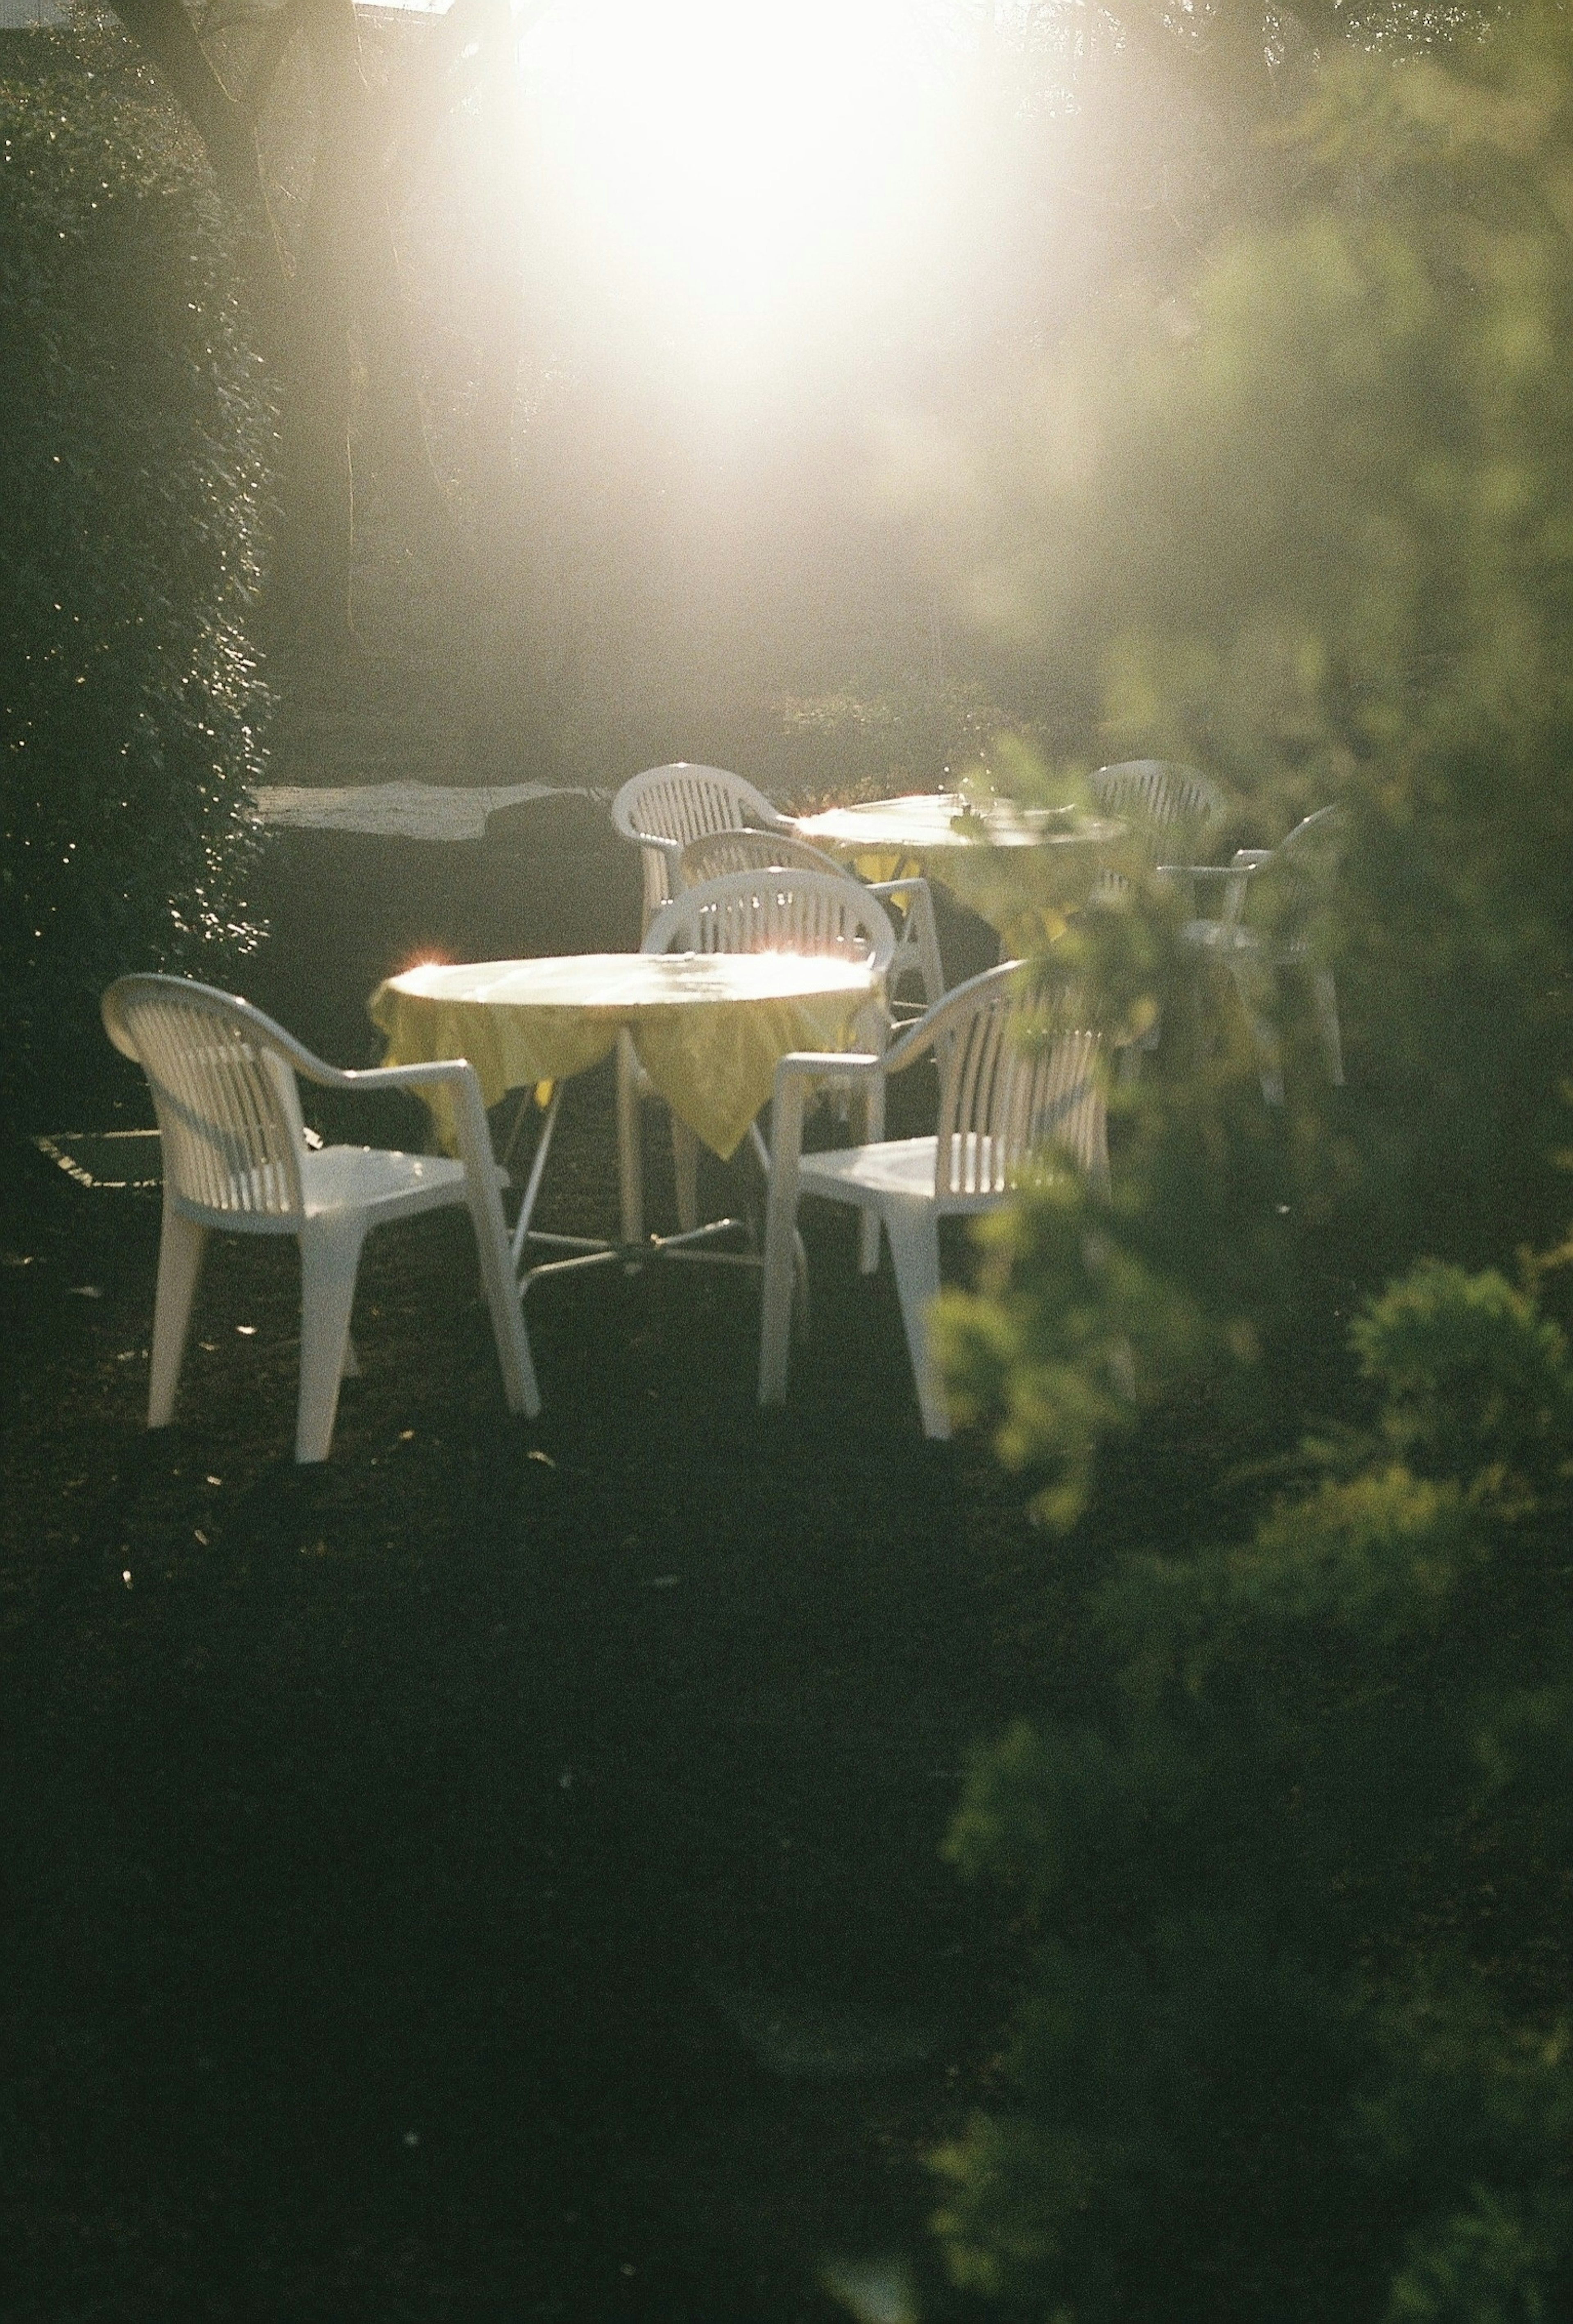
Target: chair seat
359,1177
903,1168
1219,935
341,1178
1230,936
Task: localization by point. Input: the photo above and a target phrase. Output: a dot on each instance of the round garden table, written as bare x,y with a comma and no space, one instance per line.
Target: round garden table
708,1028
1024,870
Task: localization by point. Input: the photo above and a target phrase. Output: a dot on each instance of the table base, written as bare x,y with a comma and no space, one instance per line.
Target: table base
632,1257
633,1253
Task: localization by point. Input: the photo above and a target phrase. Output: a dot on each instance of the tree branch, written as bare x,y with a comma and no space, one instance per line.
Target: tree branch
277,34
163,30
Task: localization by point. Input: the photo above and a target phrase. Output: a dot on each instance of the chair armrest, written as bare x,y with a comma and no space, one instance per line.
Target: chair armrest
1235,870
919,933
672,849
381,1077
468,1117
1236,878
827,1064
794,1076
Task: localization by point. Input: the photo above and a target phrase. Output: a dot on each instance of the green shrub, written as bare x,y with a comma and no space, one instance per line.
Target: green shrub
1298,2043
132,476
1300,513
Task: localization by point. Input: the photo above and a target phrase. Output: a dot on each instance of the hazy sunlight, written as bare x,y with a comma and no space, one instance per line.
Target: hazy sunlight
748,172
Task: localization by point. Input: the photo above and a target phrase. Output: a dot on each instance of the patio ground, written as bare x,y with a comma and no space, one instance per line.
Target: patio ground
496,1873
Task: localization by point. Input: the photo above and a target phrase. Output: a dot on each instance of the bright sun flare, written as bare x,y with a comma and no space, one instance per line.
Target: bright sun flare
741,168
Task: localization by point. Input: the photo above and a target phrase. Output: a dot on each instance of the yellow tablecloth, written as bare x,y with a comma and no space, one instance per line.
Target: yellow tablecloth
709,1028
1023,871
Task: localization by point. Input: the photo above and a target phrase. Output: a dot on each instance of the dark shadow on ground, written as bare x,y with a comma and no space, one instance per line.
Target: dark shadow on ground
495,1874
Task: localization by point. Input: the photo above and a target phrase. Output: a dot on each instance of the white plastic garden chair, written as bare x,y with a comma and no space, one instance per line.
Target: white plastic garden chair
813,912
1017,1053
1156,793
1159,799
661,811
917,942
1295,871
235,1158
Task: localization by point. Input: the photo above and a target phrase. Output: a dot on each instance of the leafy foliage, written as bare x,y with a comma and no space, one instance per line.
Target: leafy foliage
1297,2042
1299,513
1282,2056
133,472
1306,521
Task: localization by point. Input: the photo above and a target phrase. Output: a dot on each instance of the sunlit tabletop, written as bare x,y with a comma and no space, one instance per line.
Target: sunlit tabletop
708,1027
1021,869
946,819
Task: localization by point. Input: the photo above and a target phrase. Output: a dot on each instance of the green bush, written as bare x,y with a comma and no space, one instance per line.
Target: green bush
132,471
1298,2044
1300,515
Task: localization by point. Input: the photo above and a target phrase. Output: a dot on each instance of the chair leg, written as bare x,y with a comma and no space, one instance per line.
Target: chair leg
505,1304
782,1246
914,1251
869,1219
330,1258
630,1148
498,1280
180,1249
1259,992
1326,995
685,1171
928,947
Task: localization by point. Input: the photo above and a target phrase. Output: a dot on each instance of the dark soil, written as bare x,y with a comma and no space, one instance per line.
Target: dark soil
496,1873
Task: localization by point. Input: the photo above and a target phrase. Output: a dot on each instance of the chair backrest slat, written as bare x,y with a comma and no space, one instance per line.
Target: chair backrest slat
719,853
1156,794
816,912
227,1106
680,803
722,852
1018,1053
